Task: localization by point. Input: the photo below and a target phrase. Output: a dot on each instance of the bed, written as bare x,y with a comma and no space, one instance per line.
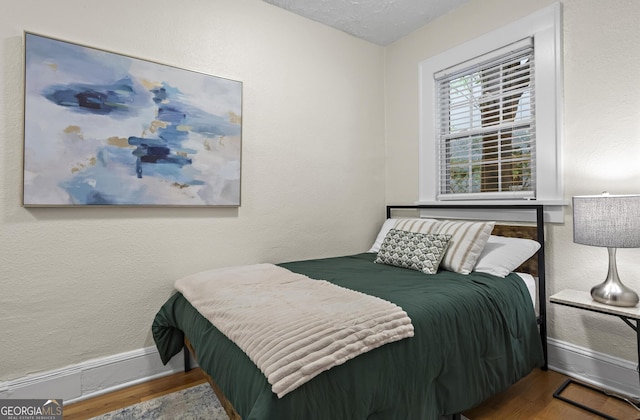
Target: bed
474,334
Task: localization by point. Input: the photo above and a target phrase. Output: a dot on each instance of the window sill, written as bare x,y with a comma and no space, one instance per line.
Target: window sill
553,210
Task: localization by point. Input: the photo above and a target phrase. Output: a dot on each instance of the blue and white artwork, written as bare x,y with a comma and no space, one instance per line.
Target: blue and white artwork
111,130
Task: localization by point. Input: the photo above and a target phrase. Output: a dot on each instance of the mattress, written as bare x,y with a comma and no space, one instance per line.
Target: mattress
532,287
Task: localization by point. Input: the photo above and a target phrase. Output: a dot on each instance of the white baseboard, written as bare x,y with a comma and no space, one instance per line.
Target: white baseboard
598,369
100,376
92,378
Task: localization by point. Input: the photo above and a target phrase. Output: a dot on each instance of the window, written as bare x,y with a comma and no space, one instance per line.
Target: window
485,123
490,115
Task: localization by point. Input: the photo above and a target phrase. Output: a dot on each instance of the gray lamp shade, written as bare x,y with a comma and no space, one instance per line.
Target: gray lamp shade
607,220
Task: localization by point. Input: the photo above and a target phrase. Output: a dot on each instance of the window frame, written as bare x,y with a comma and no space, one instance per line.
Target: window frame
545,28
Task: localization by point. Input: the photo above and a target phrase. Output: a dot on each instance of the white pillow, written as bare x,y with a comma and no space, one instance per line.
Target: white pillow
468,239
386,227
502,255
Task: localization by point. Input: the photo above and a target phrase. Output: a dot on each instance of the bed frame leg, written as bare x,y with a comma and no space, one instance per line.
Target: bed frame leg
187,359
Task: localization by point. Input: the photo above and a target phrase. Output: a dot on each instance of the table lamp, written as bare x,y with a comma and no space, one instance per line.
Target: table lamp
611,221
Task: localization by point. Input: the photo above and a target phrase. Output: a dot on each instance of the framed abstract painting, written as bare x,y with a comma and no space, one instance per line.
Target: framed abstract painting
105,129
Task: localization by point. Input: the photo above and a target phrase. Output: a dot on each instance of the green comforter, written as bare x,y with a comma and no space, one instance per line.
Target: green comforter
475,335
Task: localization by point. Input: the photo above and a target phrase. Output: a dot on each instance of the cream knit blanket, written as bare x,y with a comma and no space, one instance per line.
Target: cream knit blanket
292,327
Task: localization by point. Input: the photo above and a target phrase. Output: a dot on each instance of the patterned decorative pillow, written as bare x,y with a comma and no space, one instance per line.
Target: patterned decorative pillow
468,239
416,251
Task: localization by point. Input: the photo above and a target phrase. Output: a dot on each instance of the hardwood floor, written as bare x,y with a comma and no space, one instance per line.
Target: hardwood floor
530,398
133,395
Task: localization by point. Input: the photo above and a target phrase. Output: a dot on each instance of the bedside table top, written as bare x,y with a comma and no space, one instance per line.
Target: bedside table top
582,299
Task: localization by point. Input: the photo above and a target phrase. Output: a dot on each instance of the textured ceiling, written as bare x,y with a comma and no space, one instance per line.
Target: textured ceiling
379,21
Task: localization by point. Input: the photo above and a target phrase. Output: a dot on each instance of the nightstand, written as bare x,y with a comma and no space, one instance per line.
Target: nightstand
582,300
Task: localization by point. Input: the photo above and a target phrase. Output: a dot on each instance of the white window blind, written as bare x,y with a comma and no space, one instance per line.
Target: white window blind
485,123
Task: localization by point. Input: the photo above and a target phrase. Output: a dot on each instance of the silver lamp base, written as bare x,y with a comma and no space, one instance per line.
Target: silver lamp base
612,291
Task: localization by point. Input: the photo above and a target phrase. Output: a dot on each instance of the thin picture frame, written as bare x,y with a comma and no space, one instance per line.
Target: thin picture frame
107,129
